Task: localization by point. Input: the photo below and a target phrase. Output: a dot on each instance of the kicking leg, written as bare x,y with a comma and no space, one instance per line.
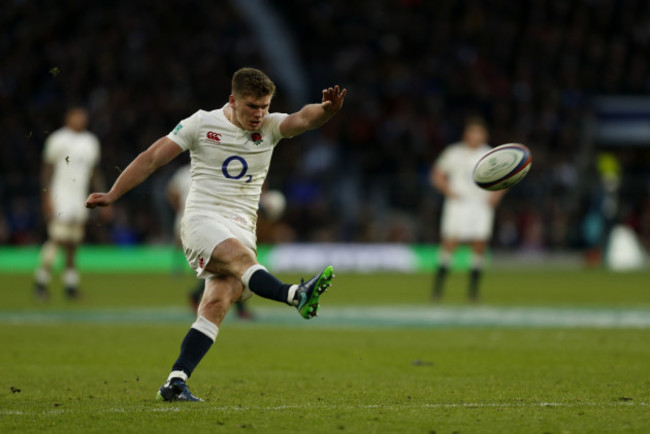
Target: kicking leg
220,293
231,257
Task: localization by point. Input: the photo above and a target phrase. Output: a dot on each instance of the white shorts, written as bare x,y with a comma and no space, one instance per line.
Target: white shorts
201,233
466,220
66,232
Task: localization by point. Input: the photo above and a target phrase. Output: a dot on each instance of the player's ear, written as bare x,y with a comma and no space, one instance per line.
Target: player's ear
231,101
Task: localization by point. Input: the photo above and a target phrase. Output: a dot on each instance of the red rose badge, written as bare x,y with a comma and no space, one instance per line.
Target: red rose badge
256,138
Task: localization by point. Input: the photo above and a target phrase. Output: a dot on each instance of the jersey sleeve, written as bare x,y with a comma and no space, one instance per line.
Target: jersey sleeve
272,125
186,133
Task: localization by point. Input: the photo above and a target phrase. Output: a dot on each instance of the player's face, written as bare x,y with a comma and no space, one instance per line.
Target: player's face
249,111
76,119
475,135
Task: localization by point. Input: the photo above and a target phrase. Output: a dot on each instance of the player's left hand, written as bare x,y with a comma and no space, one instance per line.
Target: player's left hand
333,99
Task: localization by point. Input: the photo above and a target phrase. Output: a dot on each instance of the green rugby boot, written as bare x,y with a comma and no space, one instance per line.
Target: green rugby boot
309,292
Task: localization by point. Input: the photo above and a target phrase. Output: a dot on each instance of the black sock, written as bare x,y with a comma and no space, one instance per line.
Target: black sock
194,347
266,285
474,280
439,281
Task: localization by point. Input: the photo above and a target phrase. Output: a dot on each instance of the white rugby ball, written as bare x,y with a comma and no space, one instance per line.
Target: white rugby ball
502,167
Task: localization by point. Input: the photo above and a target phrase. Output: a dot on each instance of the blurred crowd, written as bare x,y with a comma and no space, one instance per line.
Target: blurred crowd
414,70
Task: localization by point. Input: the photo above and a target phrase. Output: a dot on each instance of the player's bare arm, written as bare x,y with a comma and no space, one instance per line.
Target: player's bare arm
440,182
313,116
158,154
46,180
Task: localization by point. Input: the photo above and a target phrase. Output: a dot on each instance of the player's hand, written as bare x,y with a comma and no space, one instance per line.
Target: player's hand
495,198
333,99
98,199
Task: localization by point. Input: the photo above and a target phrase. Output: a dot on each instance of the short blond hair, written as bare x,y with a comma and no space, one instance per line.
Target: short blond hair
251,82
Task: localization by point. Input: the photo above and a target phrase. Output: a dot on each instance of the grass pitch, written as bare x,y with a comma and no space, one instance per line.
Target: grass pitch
95,366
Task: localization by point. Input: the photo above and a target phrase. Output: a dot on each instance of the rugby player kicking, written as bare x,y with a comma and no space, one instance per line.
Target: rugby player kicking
230,150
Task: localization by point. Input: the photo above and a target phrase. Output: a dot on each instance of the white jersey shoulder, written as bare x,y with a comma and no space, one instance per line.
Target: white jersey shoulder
229,164
73,156
457,161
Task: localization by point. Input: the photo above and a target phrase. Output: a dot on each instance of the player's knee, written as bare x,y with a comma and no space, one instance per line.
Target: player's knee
216,302
211,307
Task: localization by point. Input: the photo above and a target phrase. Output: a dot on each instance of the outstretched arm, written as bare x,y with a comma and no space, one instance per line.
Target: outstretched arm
160,153
313,116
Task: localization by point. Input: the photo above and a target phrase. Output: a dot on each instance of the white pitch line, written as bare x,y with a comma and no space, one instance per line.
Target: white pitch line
206,408
368,316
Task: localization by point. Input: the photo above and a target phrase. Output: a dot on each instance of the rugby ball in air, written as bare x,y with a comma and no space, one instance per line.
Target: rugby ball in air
502,167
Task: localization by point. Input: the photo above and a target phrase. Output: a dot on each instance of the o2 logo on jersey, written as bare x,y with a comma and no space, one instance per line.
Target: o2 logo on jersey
215,137
235,172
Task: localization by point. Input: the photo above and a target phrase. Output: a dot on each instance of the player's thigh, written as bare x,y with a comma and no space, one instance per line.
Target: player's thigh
213,246
479,246
449,244
231,257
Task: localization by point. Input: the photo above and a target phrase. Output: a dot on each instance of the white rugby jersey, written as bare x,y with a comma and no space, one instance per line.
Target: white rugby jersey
457,161
229,164
73,156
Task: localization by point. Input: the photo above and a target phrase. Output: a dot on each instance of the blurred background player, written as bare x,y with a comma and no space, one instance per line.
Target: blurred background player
178,187
468,211
70,160
177,190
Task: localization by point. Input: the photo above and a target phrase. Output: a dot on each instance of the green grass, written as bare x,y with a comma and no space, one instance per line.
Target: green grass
265,377
512,288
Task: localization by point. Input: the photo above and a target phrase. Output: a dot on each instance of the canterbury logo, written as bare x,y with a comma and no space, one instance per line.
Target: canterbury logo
213,136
